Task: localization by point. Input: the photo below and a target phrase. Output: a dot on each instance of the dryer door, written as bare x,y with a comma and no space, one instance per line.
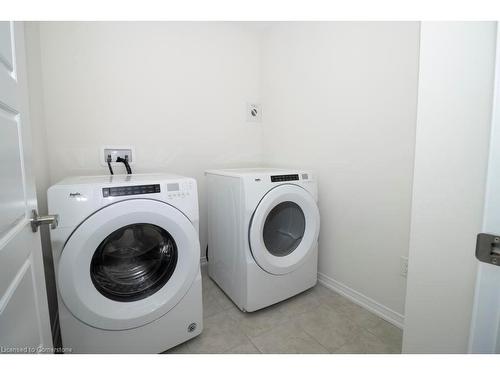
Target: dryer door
128,264
284,229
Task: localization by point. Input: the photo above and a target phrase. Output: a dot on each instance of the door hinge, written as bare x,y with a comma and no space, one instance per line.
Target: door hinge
488,248
37,220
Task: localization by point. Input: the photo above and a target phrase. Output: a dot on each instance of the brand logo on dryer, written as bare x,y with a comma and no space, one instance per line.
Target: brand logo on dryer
78,196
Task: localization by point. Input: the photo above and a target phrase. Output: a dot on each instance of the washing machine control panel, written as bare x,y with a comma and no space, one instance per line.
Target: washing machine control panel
285,177
181,189
119,191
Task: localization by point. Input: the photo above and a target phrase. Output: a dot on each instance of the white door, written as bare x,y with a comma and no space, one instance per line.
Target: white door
485,327
284,229
24,315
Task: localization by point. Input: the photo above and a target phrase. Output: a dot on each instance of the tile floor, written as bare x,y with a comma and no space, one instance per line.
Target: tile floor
316,321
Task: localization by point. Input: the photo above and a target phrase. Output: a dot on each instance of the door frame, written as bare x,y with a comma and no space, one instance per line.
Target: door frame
484,334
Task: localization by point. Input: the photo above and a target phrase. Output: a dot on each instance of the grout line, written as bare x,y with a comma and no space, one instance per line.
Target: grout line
253,344
392,346
314,339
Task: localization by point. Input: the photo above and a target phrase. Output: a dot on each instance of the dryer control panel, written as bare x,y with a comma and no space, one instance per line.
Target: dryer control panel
119,191
285,177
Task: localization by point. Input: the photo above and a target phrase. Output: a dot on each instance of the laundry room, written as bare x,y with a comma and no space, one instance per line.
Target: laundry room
249,187
141,85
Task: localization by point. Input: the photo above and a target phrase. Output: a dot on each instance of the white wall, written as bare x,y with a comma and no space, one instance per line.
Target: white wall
454,113
340,99
176,91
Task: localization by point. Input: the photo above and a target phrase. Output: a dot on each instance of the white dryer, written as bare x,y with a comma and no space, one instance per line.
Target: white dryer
126,255
263,227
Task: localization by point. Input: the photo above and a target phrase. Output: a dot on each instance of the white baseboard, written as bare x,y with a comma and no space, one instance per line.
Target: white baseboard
360,299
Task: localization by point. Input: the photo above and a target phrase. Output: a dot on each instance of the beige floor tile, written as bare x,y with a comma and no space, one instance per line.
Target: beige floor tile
287,338
365,343
299,304
222,299
359,315
258,322
315,321
179,349
211,305
247,348
220,334
329,298
388,334
330,328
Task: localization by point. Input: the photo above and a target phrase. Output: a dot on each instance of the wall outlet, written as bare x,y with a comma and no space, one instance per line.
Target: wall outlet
254,112
404,266
114,152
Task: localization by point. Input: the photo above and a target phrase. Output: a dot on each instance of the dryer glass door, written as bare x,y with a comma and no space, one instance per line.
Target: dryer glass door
133,262
284,229
128,264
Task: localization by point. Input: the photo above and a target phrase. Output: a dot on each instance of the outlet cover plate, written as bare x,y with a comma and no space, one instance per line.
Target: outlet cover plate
116,151
254,112
404,266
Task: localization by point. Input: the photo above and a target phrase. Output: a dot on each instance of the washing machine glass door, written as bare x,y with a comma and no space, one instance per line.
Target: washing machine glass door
284,229
128,264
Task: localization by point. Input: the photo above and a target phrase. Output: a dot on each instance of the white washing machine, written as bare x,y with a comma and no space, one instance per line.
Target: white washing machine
263,227
127,262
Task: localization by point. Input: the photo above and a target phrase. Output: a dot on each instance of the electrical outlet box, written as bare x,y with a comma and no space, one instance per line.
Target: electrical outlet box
254,112
404,266
114,152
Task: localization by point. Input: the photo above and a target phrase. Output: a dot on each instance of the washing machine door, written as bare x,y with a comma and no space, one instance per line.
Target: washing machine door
128,264
284,229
